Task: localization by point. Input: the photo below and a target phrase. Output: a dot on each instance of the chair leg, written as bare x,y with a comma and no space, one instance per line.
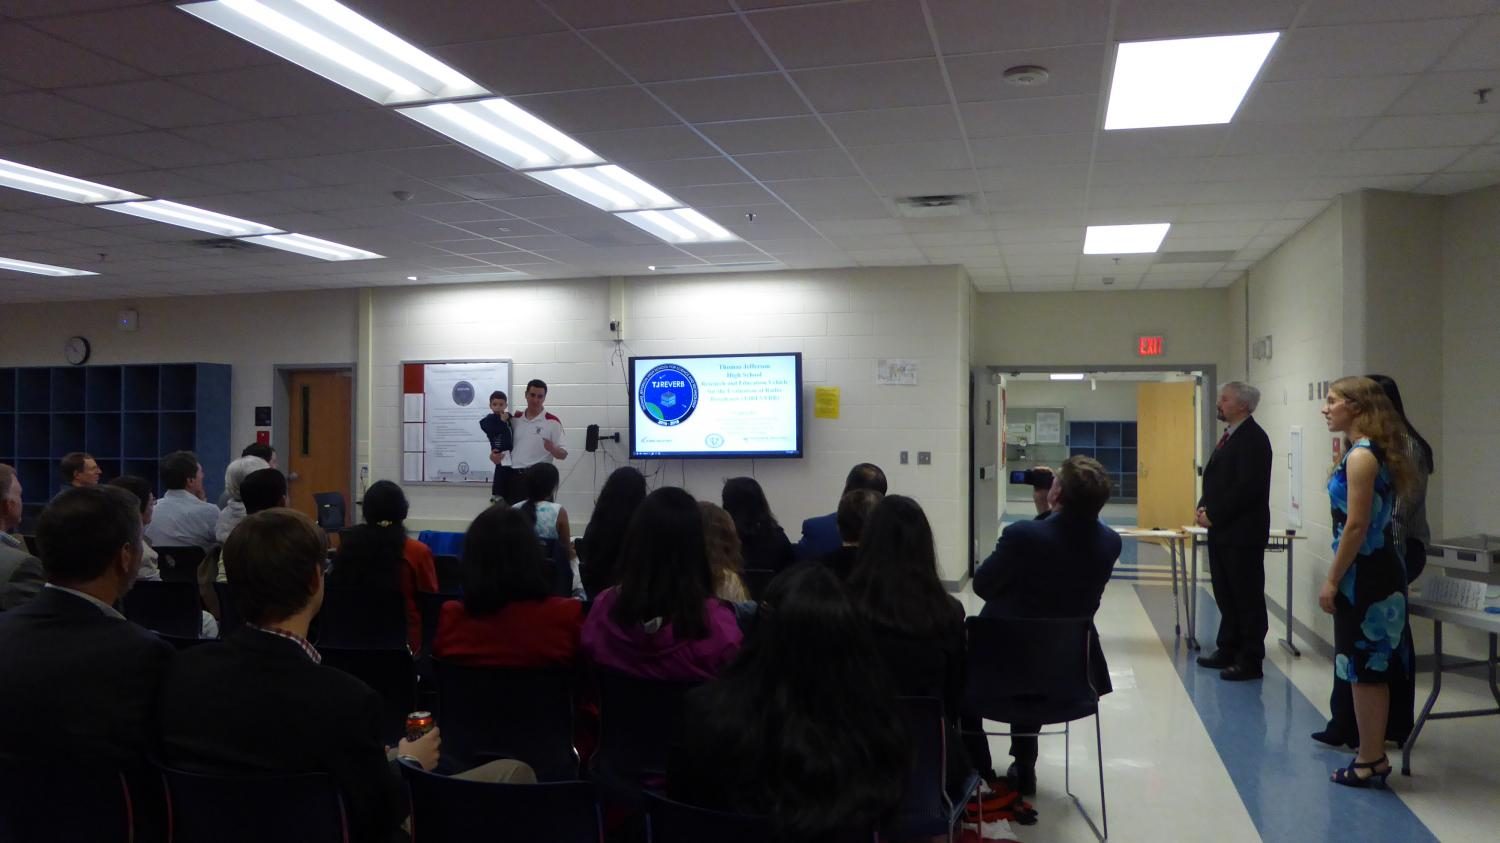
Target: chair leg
1067,760
1099,745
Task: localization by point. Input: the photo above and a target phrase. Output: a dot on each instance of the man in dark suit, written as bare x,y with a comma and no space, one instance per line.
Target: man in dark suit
1053,567
1236,510
21,574
820,535
80,680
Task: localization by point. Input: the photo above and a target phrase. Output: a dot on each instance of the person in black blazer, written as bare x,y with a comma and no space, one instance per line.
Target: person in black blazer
1236,509
1053,567
820,534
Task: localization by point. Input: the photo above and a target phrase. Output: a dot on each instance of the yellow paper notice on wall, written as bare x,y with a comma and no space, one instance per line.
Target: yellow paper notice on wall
826,402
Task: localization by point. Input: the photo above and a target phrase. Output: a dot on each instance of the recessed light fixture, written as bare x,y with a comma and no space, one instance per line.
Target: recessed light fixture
59,186
652,267
41,268
679,225
1184,81
411,277
609,187
1066,376
1124,239
173,213
499,129
335,42
313,247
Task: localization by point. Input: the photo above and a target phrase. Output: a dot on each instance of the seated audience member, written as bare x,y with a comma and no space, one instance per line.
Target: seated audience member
662,621
599,549
550,520
150,568
21,574
80,680
507,616
183,518
854,510
821,535
254,449
263,490
1053,567
762,541
918,626
261,701
378,556
797,728
231,513
723,545
78,470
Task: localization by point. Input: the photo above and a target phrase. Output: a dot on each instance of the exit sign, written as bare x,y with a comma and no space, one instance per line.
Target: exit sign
1150,346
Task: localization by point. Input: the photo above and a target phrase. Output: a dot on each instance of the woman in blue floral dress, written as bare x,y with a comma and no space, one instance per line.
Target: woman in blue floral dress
1366,587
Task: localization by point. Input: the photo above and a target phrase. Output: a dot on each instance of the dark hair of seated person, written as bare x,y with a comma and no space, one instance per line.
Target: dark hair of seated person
664,570
502,562
803,726
540,482
854,510
371,555
138,486
618,500
895,581
262,490
256,449
82,531
273,558
746,503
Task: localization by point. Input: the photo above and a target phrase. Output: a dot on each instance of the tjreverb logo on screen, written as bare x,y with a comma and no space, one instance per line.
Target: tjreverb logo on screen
668,395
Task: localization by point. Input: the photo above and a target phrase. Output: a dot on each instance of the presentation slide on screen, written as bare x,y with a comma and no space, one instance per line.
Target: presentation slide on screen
725,406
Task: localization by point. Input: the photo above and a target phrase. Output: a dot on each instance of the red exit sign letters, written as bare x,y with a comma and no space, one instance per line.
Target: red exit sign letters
1150,346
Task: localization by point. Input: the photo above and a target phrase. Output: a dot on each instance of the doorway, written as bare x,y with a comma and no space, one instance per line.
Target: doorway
314,434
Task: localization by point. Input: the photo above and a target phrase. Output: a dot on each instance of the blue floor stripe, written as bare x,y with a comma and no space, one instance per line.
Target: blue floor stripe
1260,730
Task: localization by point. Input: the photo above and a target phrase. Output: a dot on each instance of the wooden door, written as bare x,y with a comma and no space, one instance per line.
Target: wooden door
1166,480
320,442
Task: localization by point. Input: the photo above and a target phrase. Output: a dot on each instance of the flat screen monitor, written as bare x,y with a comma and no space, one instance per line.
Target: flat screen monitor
706,406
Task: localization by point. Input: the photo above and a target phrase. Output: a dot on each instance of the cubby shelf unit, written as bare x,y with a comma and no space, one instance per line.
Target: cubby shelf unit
1112,443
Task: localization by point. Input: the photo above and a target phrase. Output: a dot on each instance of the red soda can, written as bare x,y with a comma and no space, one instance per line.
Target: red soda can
419,723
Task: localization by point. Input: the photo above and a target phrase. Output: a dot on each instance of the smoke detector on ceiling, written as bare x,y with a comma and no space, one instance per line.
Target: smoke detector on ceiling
1026,75
927,207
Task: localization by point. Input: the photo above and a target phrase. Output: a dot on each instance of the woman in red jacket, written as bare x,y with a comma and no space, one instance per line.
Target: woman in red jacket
507,616
378,555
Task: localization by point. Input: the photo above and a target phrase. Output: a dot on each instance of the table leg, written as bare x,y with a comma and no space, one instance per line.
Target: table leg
1494,689
1437,686
1287,641
1176,609
1192,595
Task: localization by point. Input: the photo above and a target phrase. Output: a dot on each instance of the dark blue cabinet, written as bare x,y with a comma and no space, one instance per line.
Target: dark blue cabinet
1112,443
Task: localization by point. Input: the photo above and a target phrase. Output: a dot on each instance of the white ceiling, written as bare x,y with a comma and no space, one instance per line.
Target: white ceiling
810,115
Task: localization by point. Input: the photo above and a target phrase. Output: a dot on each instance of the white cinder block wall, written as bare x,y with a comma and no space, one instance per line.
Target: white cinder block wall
841,320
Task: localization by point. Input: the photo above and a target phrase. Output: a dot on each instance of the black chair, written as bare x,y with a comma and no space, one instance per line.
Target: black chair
390,672
31,545
508,713
221,808
180,643
637,723
361,618
43,804
165,607
561,567
332,511
1032,670
179,564
449,810
931,805
229,614
430,604
449,577
756,580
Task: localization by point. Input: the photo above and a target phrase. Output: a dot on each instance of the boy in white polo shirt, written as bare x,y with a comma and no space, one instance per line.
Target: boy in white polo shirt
538,437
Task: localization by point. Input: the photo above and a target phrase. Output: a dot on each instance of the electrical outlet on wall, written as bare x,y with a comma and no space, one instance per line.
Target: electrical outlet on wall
905,457
924,458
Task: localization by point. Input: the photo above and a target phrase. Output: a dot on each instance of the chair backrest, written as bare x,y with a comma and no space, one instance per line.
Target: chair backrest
179,563
674,822
31,545
362,618
390,672
180,643
224,808
168,607
925,804
561,567
63,804
430,605
229,614
331,510
637,723
508,713
756,580
450,810
449,573
1030,669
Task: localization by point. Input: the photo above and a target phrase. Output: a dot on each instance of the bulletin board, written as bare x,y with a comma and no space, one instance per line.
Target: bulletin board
442,403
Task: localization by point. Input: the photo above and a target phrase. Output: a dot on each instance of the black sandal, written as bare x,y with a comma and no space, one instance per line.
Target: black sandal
1350,778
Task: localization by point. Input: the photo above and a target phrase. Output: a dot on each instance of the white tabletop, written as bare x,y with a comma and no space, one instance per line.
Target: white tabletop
1195,530
1472,618
1139,533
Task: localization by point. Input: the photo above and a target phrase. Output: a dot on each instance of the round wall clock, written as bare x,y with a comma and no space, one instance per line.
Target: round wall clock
77,350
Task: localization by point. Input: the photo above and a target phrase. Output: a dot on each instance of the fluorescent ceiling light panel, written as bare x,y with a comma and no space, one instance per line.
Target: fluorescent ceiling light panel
1184,81
680,225
501,130
609,187
312,247
1124,239
41,268
1066,376
173,213
59,186
340,45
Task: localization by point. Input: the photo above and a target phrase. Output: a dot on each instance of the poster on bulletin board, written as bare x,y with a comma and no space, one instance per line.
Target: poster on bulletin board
442,404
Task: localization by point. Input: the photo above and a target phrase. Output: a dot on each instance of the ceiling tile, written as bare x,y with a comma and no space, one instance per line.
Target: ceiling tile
155,103
895,125
491,186
367,129
1228,212
1322,12
867,86
1429,130
158,39
973,26
335,169
434,23
164,183
1479,49
775,135
591,13
1481,159
1039,151
598,111
1319,99
1155,144
275,90
657,143
1256,138
1327,51
1448,183
923,182
1449,93
723,195
1040,116
934,155
158,149
436,161
800,164
554,61
65,157
850,33
256,139
1375,162
54,117
1144,19
683,49
690,171
731,97
244,175
42,61
1072,70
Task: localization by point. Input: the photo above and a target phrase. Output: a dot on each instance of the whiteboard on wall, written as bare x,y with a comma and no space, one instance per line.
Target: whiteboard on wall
442,403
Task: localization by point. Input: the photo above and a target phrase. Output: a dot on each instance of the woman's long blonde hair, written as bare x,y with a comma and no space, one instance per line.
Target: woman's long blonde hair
725,555
1377,419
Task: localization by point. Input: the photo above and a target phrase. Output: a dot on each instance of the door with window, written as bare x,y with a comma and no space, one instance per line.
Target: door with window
320,451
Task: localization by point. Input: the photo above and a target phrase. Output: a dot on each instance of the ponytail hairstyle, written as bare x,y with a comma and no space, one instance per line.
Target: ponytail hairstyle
541,485
372,554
